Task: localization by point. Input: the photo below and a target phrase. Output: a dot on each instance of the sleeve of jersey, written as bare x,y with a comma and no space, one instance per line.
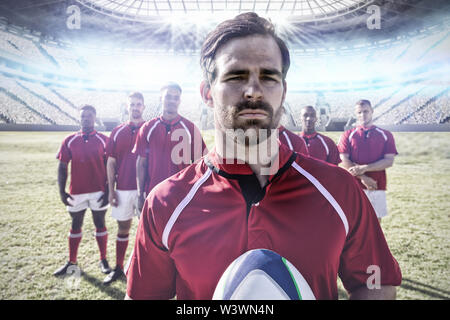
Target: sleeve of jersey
64,154
110,145
366,259
333,157
141,145
390,144
343,144
151,273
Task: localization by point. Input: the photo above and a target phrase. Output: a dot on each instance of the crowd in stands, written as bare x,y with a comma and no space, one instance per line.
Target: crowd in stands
35,103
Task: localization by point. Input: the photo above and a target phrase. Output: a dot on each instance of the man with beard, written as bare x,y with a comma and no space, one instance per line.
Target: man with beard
121,172
319,146
85,150
165,144
253,192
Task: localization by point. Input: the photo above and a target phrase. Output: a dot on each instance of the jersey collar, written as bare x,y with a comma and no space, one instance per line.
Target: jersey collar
308,136
171,122
361,128
232,168
92,133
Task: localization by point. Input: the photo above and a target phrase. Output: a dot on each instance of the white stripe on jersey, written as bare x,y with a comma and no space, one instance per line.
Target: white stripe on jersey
151,130
176,213
104,143
117,133
288,141
324,145
189,134
73,138
351,135
381,131
324,192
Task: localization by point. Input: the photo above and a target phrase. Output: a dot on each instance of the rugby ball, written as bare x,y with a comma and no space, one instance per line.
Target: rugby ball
262,274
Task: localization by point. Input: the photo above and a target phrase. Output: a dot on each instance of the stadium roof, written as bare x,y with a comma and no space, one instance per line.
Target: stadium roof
156,24
144,10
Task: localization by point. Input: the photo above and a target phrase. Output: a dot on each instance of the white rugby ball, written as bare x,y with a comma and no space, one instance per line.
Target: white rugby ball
262,274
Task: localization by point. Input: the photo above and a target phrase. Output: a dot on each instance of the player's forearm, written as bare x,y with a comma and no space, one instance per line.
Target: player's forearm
141,171
62,177
111,173
346,162
379,165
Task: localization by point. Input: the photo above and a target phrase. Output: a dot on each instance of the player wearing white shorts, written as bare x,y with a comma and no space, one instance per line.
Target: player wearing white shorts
121,172
85,150
366,152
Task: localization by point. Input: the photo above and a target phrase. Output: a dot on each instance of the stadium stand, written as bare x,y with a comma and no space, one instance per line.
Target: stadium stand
66,79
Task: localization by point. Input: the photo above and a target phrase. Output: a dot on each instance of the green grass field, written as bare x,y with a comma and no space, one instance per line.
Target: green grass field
34,224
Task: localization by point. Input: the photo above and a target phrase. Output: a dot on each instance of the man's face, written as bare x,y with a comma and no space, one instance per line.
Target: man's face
249,90
170,100
363,114
135,108
87,118
308,119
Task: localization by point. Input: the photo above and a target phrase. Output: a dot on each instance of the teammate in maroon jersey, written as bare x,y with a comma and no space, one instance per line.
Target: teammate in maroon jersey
319,146
195,223
165,144
85,150
121,171
366,152
292,141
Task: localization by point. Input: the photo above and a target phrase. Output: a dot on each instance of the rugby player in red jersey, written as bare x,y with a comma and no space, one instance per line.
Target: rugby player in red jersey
121,172
319,146
165,144
314,214
85,150
292,141
366,152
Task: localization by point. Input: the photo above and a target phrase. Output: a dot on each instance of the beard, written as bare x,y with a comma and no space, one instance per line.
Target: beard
251,131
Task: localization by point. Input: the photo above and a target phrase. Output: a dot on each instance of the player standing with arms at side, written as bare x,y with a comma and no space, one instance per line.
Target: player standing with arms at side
319,146
366,152
121,172
194,224
166,144
85,150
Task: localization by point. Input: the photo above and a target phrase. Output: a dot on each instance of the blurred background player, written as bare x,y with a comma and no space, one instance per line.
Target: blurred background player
166,144
88,186
319,146
366,152
292,141
121,172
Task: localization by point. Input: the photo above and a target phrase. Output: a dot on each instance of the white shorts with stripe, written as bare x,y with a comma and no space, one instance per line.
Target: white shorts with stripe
378,200
127,208
83,201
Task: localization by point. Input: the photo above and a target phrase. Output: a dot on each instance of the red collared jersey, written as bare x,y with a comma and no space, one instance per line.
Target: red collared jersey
367,145
292,141
86,153
195,223
169,146
120,144
321,147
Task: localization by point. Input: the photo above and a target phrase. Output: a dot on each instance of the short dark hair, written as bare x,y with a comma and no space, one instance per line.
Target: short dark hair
363,102
136,95
245,24
88,108
171,85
